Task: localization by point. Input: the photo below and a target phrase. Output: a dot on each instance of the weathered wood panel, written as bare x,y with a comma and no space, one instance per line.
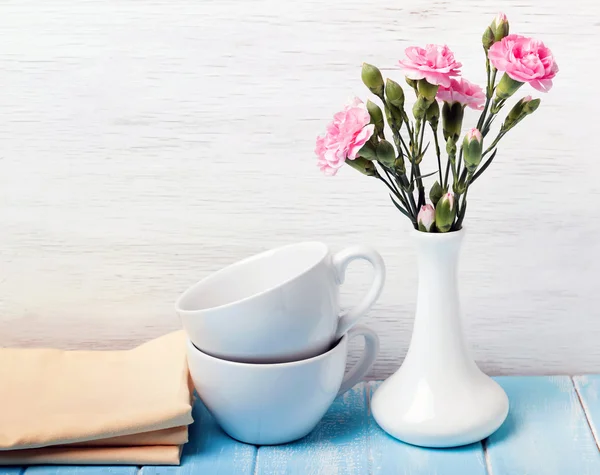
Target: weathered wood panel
148,143
546,431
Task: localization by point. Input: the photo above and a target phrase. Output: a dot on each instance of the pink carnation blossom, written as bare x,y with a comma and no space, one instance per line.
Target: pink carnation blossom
434,63
344,137
463,92
524,60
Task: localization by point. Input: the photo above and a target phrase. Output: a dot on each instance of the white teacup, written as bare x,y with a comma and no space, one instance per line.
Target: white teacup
276,403
281,305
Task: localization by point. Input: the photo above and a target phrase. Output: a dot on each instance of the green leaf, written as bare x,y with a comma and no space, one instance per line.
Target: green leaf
435,193
425,176
422,154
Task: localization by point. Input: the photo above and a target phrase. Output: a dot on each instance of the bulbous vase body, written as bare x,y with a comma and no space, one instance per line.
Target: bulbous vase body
439,397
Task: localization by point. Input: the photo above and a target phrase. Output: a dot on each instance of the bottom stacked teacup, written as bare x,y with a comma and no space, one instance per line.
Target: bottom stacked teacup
275,403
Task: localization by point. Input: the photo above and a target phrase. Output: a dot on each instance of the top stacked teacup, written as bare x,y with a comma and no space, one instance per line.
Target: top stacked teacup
278,306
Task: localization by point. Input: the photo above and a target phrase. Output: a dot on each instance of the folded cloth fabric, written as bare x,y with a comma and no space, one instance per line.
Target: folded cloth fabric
148,455
129,406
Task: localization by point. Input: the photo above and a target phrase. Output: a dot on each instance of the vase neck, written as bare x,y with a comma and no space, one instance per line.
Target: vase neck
437,333
437,256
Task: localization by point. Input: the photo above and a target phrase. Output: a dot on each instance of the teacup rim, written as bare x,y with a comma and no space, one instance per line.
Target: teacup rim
243,364
212,275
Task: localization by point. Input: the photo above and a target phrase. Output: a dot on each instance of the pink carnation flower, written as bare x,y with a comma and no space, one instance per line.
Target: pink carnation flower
434,63
344,137
463,92
524,60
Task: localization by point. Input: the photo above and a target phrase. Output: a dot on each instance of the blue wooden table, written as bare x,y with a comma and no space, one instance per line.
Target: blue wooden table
552,429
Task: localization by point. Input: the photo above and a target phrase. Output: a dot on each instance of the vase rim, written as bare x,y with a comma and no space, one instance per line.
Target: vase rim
438,236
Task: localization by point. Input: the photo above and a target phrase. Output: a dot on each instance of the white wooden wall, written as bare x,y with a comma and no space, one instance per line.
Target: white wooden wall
146,143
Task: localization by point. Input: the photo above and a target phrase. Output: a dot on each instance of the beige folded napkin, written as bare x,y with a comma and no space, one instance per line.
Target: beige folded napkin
148,455
108,406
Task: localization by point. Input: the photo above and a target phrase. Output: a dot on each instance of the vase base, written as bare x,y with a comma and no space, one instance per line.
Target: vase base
460,415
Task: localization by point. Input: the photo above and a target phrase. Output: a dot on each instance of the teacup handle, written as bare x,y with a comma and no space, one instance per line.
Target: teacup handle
340,262
368,357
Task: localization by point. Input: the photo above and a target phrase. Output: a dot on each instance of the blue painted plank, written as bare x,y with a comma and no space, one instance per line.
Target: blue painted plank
589,391
338,445
390,456
11,470
209,451
80,470
546,431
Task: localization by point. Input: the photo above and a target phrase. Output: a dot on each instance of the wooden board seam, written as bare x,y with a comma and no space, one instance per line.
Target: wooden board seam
486,458
255,470
586,411
367,389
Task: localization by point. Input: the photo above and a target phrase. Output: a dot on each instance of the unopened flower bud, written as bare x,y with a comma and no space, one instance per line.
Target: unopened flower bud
376,116
517,111
472,149
507,87
487,39
531,105
426,218
445,212
520,110
433,114
363,165
452,117
367,151
386,155
436,193
420,107
500,26
394,93
371,77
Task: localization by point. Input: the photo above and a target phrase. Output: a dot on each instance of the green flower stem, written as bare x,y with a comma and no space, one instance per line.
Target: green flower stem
461,211
396,133
401,194
501,134
422,134
412,202
416,167
463,175
392,189
403,143
452,160
460,157
482,168
445,184
489,93
493,115
408,125
437,152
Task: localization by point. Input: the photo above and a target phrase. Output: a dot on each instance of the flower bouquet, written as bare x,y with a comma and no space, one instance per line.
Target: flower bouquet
438,397
358,136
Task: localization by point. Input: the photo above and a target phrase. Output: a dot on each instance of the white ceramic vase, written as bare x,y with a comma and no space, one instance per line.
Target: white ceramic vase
439,397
